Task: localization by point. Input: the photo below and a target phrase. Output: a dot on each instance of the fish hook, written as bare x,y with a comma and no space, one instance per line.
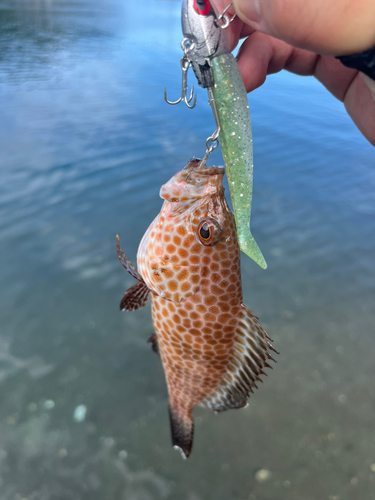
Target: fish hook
187,45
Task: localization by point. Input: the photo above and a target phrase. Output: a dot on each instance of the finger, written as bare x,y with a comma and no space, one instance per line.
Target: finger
361,107
246,30
370,84
261,55
334,27
334,76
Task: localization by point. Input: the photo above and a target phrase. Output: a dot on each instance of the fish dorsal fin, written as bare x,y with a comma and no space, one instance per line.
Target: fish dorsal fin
135,298
250,356
126,262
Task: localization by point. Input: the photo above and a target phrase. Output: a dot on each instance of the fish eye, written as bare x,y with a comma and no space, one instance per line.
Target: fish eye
205,231
209,232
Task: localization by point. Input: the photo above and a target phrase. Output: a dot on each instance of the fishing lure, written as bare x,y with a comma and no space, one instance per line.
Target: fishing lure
206,49
211,345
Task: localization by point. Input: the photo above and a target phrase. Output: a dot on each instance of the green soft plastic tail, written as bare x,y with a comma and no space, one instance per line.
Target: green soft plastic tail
237,147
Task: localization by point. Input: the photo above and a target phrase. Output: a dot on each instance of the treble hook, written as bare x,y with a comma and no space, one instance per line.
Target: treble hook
187,45
185,65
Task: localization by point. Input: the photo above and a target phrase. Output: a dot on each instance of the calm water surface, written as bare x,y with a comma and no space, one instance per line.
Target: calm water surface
85,143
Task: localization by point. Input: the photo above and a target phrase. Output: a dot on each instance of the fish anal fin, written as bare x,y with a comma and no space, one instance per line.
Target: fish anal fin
250,357
182,431
135,298
153,340
126,262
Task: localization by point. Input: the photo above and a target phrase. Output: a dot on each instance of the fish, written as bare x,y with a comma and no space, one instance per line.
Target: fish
212,347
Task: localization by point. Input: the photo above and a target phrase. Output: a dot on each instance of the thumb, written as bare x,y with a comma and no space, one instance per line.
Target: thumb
333,27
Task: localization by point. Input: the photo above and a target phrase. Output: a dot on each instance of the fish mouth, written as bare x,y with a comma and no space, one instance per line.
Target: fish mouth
197,164
194,181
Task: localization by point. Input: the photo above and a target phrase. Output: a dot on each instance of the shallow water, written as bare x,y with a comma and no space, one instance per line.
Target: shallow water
86,140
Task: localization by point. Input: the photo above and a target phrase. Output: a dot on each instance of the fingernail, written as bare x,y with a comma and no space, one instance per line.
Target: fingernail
249,11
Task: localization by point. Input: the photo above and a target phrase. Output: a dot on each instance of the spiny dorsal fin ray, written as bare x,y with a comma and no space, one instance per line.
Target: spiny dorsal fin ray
135,297
126,262
253,316
250,355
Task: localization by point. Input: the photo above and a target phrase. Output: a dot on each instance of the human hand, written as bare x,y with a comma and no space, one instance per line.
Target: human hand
302,36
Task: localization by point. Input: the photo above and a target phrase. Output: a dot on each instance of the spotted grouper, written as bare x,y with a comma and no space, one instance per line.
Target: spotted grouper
211,345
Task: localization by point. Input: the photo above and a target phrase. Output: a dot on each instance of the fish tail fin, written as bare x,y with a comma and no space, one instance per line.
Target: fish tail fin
182,430
250,247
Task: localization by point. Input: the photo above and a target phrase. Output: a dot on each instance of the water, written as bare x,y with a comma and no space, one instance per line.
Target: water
86,140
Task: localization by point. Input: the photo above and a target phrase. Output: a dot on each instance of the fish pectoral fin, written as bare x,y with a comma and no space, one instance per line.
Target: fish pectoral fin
135,297
153,340
182,431
251,354
126,262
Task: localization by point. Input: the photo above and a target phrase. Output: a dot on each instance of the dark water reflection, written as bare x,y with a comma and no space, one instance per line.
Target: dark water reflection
86,140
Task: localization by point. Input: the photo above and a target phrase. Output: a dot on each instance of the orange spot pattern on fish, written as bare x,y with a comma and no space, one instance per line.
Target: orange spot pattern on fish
195,336
211,346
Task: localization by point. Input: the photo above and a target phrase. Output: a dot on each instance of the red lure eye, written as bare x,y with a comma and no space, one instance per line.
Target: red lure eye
202,7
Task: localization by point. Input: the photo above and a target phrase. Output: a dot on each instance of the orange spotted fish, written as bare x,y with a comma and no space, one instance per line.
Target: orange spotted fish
211,345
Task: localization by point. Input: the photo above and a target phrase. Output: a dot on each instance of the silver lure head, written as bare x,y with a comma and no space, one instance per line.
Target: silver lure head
207,39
